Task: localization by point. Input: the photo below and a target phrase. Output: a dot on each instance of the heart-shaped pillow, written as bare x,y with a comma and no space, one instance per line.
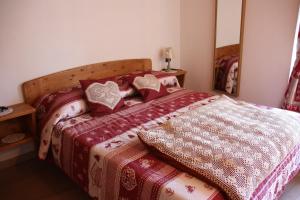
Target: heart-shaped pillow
148,81
107,94
149,87
103,97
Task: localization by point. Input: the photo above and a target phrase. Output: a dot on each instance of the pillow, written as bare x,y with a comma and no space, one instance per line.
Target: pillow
103,96
149,86
125,87
167,79
129,92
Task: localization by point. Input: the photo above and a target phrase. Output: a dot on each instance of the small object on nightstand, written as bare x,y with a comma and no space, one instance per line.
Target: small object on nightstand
179,73
17,127
5,110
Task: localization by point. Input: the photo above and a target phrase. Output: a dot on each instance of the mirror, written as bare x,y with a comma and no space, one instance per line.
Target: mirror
228,45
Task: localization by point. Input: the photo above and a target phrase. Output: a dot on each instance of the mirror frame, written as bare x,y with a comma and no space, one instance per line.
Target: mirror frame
241,50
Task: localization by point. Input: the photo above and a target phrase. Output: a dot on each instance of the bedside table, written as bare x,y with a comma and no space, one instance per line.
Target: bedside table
179,73
21,120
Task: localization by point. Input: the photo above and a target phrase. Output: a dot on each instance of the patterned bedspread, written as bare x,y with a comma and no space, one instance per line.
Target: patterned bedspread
106,158
235,145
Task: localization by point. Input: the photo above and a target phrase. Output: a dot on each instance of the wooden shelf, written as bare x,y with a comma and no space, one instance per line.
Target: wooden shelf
179,73
18,111
175,72
21,120
27,139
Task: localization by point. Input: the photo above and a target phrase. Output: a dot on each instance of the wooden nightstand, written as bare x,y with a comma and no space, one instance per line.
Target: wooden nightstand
21,120
180,74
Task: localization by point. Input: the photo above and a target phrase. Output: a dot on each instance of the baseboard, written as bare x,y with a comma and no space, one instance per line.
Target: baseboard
17,160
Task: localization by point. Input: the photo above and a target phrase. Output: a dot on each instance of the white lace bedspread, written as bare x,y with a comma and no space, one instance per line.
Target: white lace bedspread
234,144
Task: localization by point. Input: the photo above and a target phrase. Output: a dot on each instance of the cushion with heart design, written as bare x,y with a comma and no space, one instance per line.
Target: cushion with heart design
103,96
149,87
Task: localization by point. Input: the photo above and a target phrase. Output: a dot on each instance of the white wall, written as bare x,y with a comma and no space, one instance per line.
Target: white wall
228,22
269,35
268,41
197,41
39,37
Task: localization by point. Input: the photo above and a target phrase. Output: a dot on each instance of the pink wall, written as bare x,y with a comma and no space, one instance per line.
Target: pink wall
38,38
197,41
268,41
42,37
269,35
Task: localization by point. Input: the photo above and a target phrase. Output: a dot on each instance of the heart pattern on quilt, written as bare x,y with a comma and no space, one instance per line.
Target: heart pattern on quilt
107,94
149,81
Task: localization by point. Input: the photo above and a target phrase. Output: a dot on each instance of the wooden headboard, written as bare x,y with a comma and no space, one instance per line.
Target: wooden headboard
227,50
68,78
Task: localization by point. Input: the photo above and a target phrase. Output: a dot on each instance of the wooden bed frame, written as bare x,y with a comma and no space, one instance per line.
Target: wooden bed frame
69,78
227,50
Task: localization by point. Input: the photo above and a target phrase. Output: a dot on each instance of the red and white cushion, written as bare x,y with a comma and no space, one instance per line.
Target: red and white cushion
148,81
103,97
167,79
129,92
149,87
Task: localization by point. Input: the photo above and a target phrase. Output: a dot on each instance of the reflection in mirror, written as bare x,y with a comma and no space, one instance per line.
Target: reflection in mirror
228,45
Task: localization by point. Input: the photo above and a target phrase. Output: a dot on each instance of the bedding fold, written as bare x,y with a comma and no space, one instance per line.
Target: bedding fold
235,145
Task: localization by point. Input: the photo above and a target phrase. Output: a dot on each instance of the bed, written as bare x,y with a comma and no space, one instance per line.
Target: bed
105,156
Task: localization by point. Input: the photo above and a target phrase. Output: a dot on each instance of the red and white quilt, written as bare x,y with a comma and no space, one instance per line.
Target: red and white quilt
106,158
235,153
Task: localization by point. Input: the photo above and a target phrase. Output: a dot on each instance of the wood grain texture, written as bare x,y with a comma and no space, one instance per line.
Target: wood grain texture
180,74
18,111
69,78
12,162
21,120
36,180
26,140
227,51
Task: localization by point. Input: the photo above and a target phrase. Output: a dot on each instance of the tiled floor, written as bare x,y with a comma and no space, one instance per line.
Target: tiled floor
35,180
